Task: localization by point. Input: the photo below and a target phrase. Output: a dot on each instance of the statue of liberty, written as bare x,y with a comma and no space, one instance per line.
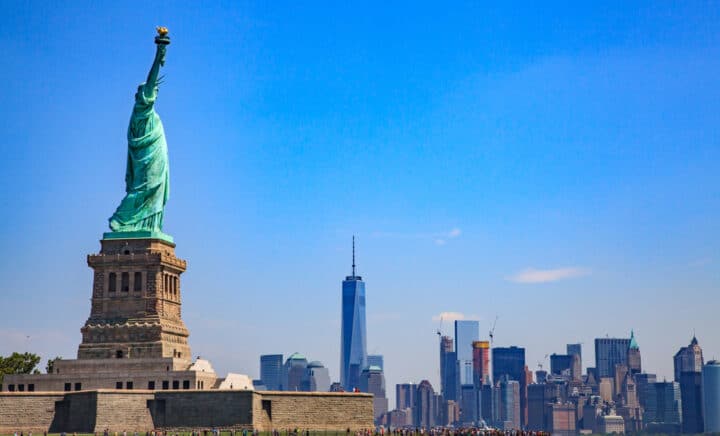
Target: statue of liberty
147,176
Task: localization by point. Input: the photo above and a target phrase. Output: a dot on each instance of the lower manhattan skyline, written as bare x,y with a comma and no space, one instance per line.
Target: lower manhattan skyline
555,172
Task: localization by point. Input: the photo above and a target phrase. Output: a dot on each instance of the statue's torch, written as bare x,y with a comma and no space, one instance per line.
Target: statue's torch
162,37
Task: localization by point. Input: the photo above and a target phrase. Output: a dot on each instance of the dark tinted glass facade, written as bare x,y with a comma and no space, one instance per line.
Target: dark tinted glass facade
508,362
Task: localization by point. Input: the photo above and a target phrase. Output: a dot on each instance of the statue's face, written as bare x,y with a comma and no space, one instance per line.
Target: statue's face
141,89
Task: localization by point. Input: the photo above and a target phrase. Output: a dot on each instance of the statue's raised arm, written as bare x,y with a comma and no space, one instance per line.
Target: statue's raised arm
147,177
162,41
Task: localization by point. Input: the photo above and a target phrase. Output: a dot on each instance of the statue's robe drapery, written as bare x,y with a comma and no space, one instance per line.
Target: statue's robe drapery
147,178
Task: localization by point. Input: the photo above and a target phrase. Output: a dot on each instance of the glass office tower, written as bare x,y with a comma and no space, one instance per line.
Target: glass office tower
711,396
353,357
466,332
508,361
271,370
610,352
376,360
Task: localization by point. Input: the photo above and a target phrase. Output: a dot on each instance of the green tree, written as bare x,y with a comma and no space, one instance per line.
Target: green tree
17,363
51,364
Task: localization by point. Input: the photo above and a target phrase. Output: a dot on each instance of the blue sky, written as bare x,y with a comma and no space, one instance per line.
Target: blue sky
554,165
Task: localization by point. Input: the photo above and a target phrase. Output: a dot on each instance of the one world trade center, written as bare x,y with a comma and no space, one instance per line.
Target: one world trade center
353,357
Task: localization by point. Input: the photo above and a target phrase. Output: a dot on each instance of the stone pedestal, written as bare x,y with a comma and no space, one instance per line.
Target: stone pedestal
136,302
135,337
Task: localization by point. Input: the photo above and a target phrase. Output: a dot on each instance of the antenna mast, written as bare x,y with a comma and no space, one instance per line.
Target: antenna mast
353,264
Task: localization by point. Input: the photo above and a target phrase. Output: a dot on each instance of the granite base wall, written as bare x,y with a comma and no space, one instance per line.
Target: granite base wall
317,411
28,411
141,411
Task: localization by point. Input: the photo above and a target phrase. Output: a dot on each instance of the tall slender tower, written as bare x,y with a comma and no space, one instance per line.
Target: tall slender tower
466,331
448,369
688,359
633,355
481,363
353,343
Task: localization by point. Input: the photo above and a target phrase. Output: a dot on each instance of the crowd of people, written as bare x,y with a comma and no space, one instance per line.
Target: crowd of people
466,431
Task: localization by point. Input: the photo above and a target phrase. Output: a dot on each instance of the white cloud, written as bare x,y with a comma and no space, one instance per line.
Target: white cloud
440,238
532,275
448,316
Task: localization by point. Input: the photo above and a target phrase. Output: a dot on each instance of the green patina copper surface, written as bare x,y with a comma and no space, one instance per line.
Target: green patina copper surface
140,234
147,176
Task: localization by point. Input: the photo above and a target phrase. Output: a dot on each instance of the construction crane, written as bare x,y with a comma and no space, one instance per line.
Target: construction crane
492,330
540,365
439,330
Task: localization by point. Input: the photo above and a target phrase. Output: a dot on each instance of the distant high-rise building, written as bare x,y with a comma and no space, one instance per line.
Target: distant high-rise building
606,389
691,399
576,368
466,332
711,396
294,372
608,353
405,395
316,378
611,424
536,407
376,360
539,395
448,369
688,359
509,413
481,363
438,407
372,380
592,375
541,375
510,363
353,332
628,392
399,418
663,408
561,419
576,350
560,363
621,371
468,405
485,408
591,413
643,381
634,362
628,406
524,383
450,413
271,371
424,411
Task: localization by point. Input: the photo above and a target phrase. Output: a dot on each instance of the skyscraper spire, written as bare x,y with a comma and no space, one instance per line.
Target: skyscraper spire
353,343
353,265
